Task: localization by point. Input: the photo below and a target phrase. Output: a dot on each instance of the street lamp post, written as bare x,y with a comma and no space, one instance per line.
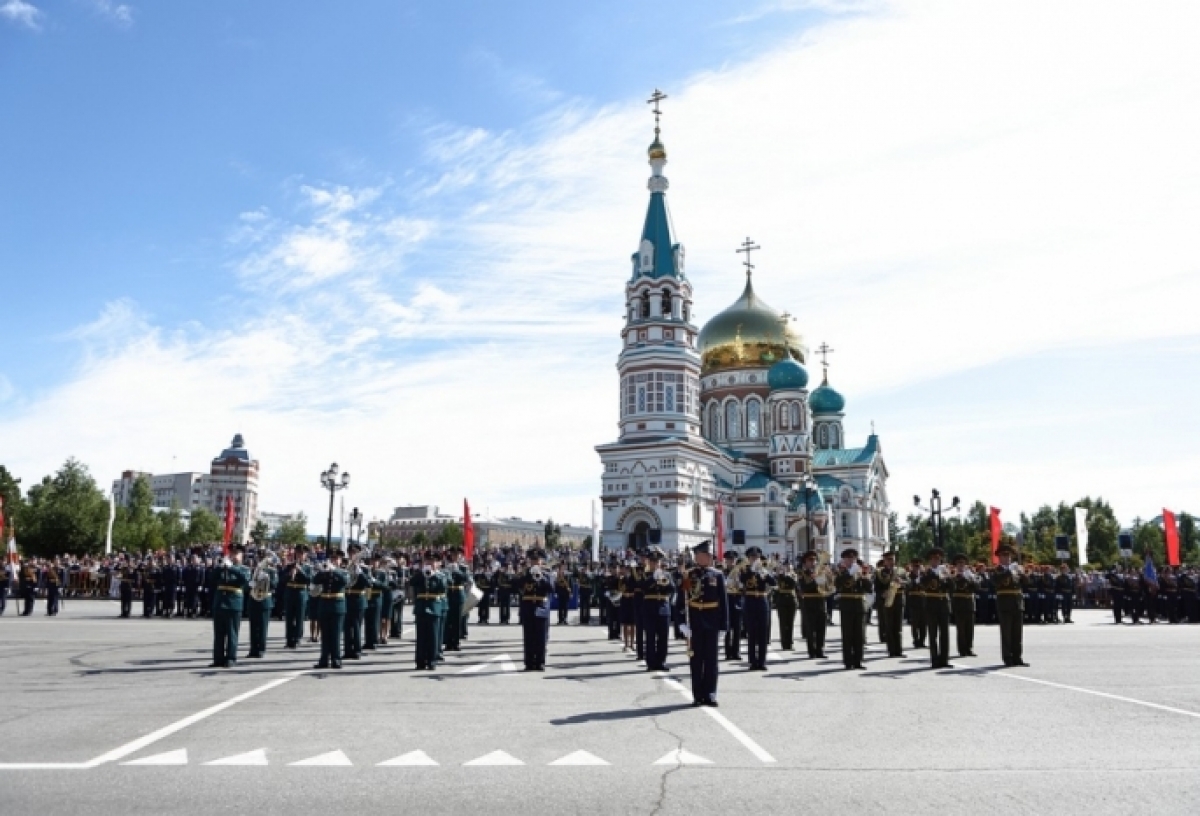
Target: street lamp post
807,486
331,482
936,518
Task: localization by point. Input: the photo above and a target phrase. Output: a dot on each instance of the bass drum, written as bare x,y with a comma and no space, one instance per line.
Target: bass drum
474,596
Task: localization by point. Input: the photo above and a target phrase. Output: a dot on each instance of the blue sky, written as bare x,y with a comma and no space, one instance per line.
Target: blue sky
393,233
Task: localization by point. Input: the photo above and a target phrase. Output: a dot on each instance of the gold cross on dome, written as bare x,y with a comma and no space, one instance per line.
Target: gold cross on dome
824,350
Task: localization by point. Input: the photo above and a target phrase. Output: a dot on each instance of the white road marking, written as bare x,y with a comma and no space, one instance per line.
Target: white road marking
411,758
178,757
738,734
1082,690
44,766
681,757
495,758
580,758
166,731
505,662
334,759
258,757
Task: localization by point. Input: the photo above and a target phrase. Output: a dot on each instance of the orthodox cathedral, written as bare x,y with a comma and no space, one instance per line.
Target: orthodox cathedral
721,420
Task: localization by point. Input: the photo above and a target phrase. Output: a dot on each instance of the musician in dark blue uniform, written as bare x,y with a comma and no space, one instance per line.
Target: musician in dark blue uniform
657,592
756,585
708,617
536,588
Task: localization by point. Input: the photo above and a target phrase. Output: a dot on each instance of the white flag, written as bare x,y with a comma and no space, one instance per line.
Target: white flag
112,514
595,534
1081,533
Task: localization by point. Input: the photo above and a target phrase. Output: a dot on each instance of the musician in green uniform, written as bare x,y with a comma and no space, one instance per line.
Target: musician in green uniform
915,601
297,577
258,610
787,601
356,606
963,584
429,611
374,593
935,587
814,616
330,583
890,582
851,586
1010,581
458,582
229,581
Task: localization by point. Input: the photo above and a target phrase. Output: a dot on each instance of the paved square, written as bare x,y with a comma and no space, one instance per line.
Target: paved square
103,715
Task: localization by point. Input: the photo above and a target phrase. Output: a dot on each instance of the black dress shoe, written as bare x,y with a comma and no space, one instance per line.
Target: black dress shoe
696,703
252,656
711,704
1021,663
216,665
320,665
336,666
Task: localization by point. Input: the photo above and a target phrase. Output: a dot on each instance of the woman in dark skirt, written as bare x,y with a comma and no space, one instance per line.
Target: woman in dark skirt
314,628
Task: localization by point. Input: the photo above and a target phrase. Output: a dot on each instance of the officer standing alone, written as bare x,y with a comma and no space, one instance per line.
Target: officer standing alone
708,617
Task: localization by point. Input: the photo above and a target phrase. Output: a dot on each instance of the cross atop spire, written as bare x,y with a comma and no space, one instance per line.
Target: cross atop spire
655,98
748,246
824,350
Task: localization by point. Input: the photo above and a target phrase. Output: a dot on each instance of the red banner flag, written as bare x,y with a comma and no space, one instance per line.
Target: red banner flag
720,542
468,532
997,528
1172,532
228,524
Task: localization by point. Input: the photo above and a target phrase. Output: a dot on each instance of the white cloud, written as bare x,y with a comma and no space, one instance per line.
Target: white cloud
937,188
119,13
21,13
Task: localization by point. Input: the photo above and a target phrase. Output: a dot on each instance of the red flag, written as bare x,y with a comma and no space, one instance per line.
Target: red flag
720,543
1172,538
468,532
228,524
996,529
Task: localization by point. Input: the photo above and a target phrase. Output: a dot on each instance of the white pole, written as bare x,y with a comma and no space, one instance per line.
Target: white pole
595,534
112,514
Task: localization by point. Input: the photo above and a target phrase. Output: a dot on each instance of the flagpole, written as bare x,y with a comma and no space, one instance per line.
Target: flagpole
595,534
112,514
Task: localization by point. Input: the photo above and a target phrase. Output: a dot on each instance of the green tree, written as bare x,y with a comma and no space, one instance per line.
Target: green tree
1148,539
1103,529
14,503
451,535
293,532
136,527
67,513
259,534
174,531
1189,542
419,541
916,539
204,528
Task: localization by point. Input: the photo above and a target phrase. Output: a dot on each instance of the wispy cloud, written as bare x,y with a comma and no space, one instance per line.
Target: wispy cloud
21,13
937,188
119,13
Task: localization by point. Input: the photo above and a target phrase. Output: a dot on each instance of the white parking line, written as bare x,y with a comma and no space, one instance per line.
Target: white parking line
738,734
1082,690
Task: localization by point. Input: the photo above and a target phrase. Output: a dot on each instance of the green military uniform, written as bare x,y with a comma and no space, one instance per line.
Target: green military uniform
787,601
1010,609
330,589
229,585
891,618
915,600
356,609
962,606
371,637
259,614
456,595
295,601
429,610
814,616
852,615
936,592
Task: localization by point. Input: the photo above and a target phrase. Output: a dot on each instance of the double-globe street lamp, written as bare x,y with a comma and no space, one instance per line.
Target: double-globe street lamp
807,487
331,482
936,518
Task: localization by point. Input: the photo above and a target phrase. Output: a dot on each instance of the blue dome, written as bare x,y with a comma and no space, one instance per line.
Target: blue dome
825,400
787,374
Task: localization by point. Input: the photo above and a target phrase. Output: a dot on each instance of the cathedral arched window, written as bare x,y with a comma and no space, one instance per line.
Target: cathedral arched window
784,424
733,420
835,438
666,304
645,307
823,436
796,423
753,419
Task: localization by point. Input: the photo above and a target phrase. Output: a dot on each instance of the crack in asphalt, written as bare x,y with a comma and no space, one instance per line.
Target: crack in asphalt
663,781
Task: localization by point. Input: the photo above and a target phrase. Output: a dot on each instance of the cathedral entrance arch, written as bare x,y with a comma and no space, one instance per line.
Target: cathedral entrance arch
641,526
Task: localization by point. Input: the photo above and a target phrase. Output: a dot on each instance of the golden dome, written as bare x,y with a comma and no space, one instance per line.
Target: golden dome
748,333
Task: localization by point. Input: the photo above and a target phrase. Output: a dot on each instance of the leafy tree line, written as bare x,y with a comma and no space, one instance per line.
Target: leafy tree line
970,532
68,513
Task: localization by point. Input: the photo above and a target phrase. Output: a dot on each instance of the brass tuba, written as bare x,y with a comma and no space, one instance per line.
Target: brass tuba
260,582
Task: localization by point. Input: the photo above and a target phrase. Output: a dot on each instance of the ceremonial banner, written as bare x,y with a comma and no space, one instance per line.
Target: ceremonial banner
1081,534
997,528
1172,532
719,544
468,533
228,524
112,514
595,534
1148,571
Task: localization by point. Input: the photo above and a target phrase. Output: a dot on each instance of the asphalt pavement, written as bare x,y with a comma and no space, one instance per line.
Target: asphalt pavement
101,715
